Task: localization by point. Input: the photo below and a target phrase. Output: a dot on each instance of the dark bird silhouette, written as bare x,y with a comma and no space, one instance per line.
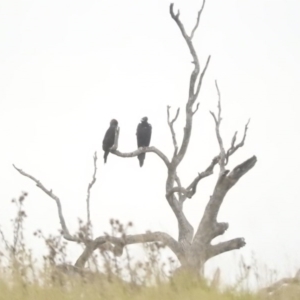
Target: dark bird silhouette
143,135
109,138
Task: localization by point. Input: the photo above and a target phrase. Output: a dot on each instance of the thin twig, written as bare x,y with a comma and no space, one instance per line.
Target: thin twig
171,123
234,147
220,141
198,20
202,76
196,108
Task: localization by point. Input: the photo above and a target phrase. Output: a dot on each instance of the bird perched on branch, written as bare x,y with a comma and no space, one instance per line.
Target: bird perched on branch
143,134
109,138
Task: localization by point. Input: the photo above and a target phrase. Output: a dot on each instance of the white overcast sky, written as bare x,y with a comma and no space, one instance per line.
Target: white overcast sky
67,67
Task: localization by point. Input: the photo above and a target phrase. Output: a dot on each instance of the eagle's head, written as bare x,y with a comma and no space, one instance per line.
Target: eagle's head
145,119
114,122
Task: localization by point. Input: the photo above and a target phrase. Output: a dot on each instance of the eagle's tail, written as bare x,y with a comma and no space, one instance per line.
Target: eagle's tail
105,156
141,158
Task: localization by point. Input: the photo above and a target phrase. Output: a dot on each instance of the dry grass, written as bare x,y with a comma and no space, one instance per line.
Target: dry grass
111,278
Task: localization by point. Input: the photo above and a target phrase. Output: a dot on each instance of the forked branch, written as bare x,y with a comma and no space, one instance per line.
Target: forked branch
188,40
224,156
104,242
66,233
234,147
193,90
208,227
190,191
225,183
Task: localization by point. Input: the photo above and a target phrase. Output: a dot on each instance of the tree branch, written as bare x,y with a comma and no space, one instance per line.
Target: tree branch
234,147
190,191
196,109
219,229
181,196
185,228
202,76
241,170
224,184
226,246
220,141
209,171
195,74
188,40
66,233
89,193
198,20
171,123
142,150
179,189
207,228
120,243
114,150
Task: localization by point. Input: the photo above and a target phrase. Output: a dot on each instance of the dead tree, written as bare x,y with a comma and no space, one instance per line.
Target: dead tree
192,247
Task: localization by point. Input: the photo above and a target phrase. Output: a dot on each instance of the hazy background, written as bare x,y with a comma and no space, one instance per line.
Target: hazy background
67,67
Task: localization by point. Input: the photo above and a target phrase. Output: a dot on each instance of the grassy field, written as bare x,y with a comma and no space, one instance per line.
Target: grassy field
21,277
20,281
102,289
113,292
